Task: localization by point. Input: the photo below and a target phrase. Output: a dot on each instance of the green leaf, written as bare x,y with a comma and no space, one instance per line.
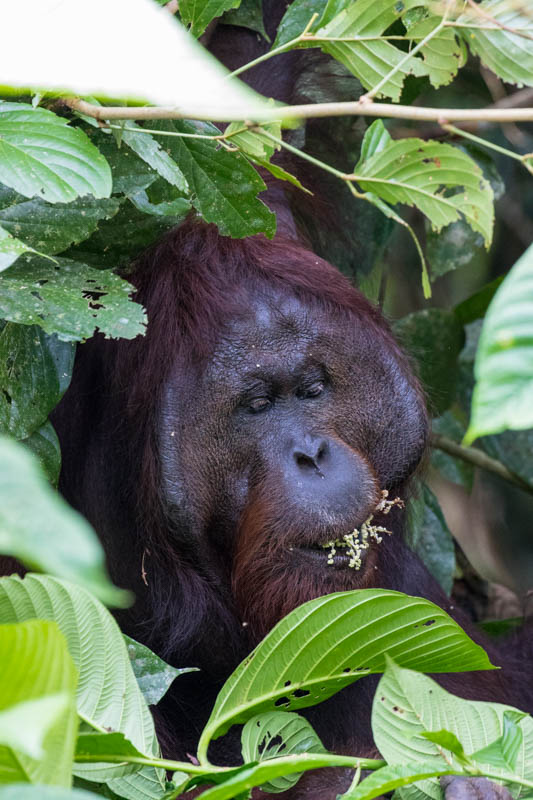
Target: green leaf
108,696
30,382
281,174
503,393
151,151
129,172
454,247
52,228
375,139
199,13
10,249
408,704
90,745
36,674
442,54
154,676
254,143
430,537
177,208
69,299
392,777
434,338
24,725
40,529
144,55
504,751
41,155
371,58
269,771
449,741
121,239
440,180
224,186
489,32
328,643
248,15
296,18
45,445
276,734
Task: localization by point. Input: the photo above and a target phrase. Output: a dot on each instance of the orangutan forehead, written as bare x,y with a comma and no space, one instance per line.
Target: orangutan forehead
275,322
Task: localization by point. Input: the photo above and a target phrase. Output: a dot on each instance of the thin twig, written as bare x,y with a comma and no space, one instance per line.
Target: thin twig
476,457
524,159
483,14
305,111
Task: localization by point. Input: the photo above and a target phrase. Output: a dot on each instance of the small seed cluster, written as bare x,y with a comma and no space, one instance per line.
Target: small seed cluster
359,539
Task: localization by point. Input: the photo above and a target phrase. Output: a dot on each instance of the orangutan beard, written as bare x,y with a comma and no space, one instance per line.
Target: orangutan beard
281,561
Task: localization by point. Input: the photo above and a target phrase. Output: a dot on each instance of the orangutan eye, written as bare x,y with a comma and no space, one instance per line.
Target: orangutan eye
315,389
258,404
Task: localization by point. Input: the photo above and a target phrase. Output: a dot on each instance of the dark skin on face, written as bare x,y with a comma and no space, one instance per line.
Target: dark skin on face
270,447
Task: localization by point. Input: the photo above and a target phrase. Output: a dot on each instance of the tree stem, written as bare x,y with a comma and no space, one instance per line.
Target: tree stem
308,110
476,457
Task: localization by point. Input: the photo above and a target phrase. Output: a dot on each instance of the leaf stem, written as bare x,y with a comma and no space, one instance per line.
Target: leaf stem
149,761
476,457
275,52
491,146
338,174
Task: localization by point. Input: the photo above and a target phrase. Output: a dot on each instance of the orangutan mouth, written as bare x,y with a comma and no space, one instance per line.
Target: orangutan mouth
353,545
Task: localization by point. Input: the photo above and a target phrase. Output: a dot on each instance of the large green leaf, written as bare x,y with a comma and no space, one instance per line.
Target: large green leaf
52,228
31,384
40,529
408,705
275,734
328,643
440,180
69,299
40,154
501,34
36,666
143,54
503,395
154,675
108,696
199,13
369,57
224,186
